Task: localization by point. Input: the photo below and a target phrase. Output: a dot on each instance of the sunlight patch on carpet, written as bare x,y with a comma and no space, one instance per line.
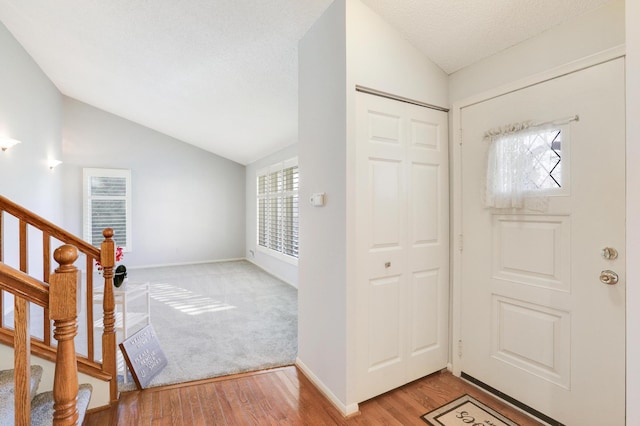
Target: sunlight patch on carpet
186,301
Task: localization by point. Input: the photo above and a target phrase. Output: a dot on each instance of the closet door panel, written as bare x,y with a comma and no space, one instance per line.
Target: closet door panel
401,243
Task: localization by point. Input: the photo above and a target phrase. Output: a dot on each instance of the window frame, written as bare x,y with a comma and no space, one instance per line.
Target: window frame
282,195
87,174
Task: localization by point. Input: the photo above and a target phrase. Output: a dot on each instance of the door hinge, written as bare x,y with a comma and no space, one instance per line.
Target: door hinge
459,348
460,242
460,141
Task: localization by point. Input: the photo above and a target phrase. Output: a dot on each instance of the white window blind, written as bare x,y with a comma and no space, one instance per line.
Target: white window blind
277,202
107,204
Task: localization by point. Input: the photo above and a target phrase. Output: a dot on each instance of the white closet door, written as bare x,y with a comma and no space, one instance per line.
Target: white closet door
402,243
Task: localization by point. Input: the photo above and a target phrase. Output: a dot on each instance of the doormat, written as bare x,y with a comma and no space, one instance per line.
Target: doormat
466,411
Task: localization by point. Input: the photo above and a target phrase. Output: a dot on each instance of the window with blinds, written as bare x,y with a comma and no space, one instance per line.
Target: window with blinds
277,202
107,204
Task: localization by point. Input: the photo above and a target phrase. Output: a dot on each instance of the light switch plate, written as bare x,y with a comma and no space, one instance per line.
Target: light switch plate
317,199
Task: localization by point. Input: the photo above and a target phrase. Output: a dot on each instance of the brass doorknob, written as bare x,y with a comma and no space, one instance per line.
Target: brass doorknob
608,277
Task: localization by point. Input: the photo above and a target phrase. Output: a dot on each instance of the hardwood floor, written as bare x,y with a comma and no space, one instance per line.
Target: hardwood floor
284,396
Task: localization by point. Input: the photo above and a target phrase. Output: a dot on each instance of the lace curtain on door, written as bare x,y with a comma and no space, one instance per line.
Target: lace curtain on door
523,165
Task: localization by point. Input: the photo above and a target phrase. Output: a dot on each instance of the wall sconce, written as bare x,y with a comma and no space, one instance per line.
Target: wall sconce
6,143
54,163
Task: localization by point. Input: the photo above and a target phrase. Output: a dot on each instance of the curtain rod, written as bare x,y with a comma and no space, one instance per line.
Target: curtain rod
398,98
558,122
523,126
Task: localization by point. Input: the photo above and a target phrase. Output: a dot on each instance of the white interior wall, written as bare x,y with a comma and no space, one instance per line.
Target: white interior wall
188,205
592,32
30,111
321,160
633,210
286,271
348,45
379,58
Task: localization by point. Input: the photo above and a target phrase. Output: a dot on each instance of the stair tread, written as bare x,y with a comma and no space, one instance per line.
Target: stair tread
42,406
6,380
7,391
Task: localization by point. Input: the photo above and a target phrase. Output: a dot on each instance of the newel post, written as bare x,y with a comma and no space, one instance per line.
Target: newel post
63,291
107,260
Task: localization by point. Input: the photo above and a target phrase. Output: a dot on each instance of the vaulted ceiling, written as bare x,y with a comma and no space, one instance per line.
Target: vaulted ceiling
222,74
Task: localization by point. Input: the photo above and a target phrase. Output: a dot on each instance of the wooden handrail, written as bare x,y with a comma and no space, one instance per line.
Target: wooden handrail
23,285
47,227
25,290
60,298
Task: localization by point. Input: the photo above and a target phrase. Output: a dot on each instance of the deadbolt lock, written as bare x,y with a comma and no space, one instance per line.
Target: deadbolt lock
609,253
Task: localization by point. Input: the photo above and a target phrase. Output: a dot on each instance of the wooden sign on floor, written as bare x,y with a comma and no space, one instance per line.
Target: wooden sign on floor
143,356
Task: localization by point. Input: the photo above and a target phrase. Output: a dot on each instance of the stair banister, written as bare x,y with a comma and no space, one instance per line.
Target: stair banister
63,310
107,261
25,289
22,361
105,368
60,299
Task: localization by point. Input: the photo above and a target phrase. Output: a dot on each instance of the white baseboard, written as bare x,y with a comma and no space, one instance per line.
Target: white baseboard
346,410
270,272
199,262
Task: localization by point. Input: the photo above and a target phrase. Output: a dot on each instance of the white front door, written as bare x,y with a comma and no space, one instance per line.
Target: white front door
537,322
402,243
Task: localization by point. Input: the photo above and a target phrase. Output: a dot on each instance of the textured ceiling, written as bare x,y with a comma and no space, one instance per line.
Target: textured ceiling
457,33
222,74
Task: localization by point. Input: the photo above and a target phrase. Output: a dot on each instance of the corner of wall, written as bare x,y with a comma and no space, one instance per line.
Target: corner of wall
30,111
595,31
322,164
284,271
346,410
379,57
169,177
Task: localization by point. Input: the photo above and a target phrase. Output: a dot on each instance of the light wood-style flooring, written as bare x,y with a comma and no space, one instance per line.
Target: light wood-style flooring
284,396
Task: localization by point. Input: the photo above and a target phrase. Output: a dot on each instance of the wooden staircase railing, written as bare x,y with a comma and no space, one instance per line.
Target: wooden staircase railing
25,289
59,297
104,368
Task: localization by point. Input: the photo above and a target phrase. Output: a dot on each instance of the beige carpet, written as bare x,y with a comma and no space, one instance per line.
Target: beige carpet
211,320
217,319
